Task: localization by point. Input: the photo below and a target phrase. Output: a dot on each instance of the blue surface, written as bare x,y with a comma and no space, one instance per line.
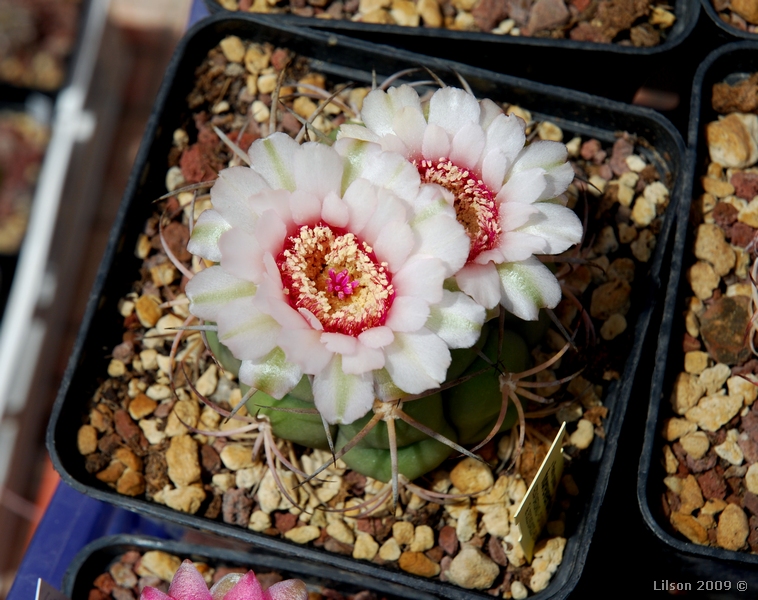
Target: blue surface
197,12
71,521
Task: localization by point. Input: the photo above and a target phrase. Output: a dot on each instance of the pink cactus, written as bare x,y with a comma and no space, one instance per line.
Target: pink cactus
188,584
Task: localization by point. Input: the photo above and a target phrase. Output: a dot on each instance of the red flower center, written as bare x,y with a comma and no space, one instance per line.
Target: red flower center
336,276
475,205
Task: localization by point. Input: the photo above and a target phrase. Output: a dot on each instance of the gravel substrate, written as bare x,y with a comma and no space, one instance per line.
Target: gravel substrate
134,437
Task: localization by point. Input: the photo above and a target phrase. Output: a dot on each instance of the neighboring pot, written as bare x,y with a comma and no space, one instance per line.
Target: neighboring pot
344,58
699,562
724,27
95,558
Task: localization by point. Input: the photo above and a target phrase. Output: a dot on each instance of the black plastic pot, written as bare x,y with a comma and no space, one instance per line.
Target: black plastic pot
691,560
610,70
95,558
340,59
727,30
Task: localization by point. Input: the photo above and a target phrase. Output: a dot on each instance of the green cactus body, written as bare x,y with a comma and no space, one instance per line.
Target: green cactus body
464,413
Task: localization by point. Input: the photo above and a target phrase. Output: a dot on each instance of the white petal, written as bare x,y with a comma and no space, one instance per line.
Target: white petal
421,277
557,225
272,374
241,255
457,320
206,233
342,397
339,343
394,243
528,286
515,214
438,233
273,158
417,361
304,348
275,200
356,132
409,125
517,246
376,337
212,289
488,110
525,187
270,232
318,169
304,207
453,108
388,170
436,143
361,201
388,210
247,332
551,157
364,359
379,107
494,167
481,282
407,314
466,148
506,134
231,194
334,211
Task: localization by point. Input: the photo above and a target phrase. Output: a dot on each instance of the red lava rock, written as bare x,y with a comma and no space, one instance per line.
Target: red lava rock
284,521
448,540
435,554
156,472
725,214
749,449
131,557
105,583
589,149
622,148
701,464
741,97
268,579
735,484
712,484
750,366
377,527
496,551
176,237
547,14
210,459
96,594
109,443
236,507
214,508
690,344
120,593
750,502
586,32
580,5
749,425
338,547
644,36
723,326
280,58
488,13
163,409
745,184
124,352
130,432
356,483
96,462
741,234
673,500
752,538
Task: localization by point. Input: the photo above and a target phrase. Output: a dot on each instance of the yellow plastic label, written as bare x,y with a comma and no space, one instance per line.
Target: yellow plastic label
533,512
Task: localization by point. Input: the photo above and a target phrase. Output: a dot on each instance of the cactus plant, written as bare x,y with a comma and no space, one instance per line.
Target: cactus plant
349,283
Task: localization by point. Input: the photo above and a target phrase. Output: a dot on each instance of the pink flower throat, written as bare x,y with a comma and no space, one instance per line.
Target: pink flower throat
475,205
336,277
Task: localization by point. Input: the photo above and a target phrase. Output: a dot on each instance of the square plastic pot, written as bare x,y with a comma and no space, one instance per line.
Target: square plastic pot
348,59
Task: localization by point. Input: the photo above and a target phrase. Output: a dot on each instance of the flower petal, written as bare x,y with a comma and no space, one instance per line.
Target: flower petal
453,108
364,359
551,157
304,207
334,211
389,170
559,226
206,233
417,361
151,593
241,255
188,583
394,243
481,282
289,589
211,290
518,245
457,320
231,193
488,110
436,143
467,146
246,331
379,107
525,187
339,343
377,337
506,134
356,132
318,169
422,277
389,209
272,374
438,233
493,168
361,200
409,125
407,314
305,348
341,397
528,286
273,158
